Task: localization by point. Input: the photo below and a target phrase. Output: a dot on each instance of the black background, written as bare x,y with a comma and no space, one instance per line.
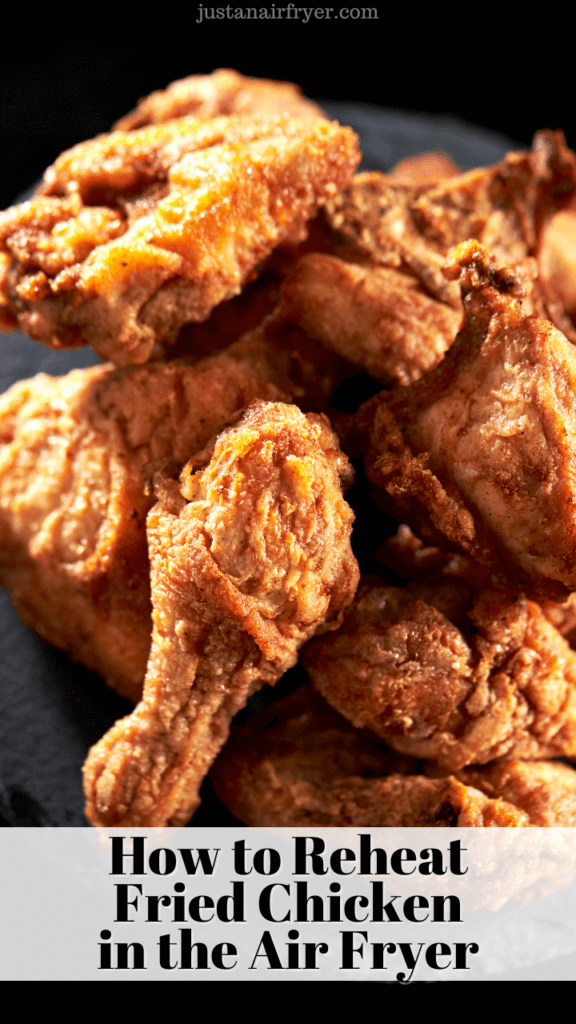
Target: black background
71,75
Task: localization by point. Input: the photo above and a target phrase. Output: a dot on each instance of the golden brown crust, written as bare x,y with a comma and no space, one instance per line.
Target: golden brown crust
507,208
442,673
480,453
237,586
77,458
378,318
299,764
223,92
133,234
380,298
544,790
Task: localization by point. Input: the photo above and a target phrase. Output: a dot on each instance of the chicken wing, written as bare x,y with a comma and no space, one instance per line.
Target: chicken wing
248,560
480,453
134,234
444,673
77,457
223,92
299,763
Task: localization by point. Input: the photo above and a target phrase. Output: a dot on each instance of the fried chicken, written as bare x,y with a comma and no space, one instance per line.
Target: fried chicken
445,673
380,299
223,92
480,453
410,559
134,234
248,560
300,764
377,318
77,458
406,226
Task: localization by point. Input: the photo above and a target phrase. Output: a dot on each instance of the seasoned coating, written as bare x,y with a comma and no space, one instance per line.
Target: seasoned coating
378,318
443,673
546,790
257,301
480,453
380,299
372,222
223,92
248,560
299,763
410,559
229,321
77,458
506,208
315,373
134,234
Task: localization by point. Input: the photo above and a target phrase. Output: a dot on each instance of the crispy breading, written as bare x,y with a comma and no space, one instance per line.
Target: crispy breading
248,560
545,790
480,453
223,92
134,234
77,458
378,318
444,673
257,301
380,298
506,207
299,763
410,559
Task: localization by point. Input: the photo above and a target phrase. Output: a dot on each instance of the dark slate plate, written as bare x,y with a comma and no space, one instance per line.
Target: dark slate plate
52,711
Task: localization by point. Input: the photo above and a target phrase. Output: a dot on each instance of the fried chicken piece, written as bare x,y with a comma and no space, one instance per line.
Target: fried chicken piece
77,457
378,318
480,454
299,763
134,234
545,790
381,300
506,207
248,561
410,559
223,92
444,673
233,318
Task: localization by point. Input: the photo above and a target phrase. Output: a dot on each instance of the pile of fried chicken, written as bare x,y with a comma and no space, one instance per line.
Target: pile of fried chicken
277,330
